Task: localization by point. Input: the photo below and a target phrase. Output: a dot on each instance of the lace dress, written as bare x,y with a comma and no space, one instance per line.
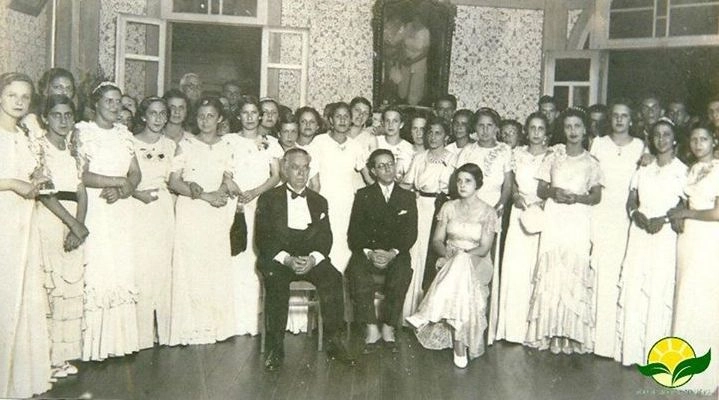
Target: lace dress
696,304
561,312
110,289
455,305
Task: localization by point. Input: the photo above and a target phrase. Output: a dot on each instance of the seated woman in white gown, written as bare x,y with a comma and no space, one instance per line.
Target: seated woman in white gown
452,313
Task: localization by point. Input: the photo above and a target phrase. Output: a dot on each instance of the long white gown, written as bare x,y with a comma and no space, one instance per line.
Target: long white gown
110,289
251,168
24,343
338,164
153,240
561,309
428,175
646,294
64,271
456,302
494,162
696,305
203,293
520,252
610,228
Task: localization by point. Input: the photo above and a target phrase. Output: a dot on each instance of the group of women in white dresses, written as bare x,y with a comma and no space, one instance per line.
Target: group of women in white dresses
133,248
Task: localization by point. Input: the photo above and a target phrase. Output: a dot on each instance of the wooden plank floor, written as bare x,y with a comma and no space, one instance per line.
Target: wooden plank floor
234,370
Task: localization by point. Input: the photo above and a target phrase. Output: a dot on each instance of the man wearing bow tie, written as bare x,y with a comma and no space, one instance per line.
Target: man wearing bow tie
293,238
382,229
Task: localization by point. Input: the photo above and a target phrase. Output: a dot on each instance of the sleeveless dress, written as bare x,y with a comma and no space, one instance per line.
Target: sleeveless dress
610,229
455,305
110,290
430,176
64,271
696,304
646,284
153,241
520,252
24,343
204,308
561,312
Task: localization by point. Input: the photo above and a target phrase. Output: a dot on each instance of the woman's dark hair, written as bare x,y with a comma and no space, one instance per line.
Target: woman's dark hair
311,110
663,121
288,118
54,100
100,91
522,138
142,109
337,106
235,122
52,74
486,112
575,112
175,94
362,100
470,168
434,120
212,102
536,115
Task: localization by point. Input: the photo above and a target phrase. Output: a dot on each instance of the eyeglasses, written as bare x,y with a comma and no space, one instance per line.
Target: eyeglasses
385,166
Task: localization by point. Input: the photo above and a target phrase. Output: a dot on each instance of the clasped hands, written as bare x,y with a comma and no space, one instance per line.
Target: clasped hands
76,236
300,264
381,258
113,194
563,196
650,225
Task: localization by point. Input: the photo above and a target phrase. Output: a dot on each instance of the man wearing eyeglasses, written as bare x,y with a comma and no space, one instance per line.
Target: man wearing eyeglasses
382,229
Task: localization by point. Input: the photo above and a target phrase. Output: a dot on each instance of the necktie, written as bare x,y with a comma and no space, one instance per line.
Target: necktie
386,193
294,194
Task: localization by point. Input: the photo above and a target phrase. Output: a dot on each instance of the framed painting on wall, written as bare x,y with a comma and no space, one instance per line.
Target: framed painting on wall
412,49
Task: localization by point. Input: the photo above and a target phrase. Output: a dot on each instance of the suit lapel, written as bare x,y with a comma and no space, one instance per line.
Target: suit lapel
282,204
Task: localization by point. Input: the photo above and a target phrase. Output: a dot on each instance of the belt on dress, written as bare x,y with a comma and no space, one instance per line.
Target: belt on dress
64,195
427,194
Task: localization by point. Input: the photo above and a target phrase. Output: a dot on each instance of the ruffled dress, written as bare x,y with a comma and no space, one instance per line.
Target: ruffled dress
110,327
64,271
561,309
454,308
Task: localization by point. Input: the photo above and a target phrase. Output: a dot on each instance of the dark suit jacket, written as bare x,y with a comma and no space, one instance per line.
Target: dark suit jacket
376,224
271,231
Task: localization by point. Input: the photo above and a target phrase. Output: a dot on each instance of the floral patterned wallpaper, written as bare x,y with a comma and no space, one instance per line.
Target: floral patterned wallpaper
135,74
23,41
497,59
340,62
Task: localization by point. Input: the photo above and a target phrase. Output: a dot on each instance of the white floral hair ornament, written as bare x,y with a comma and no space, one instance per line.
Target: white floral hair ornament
103,84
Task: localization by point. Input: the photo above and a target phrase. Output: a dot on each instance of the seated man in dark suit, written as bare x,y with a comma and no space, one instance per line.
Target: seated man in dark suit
382,229
293,238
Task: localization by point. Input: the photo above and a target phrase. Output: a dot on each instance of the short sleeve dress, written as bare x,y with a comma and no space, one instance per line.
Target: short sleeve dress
561,312
455,305
110,287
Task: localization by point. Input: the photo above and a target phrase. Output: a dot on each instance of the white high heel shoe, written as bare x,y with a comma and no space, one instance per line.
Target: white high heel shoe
460,361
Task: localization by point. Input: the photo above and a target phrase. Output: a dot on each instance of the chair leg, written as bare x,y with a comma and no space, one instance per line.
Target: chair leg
263,319
320,326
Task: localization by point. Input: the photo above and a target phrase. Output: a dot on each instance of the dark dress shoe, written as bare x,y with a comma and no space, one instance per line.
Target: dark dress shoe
274,358
338,351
